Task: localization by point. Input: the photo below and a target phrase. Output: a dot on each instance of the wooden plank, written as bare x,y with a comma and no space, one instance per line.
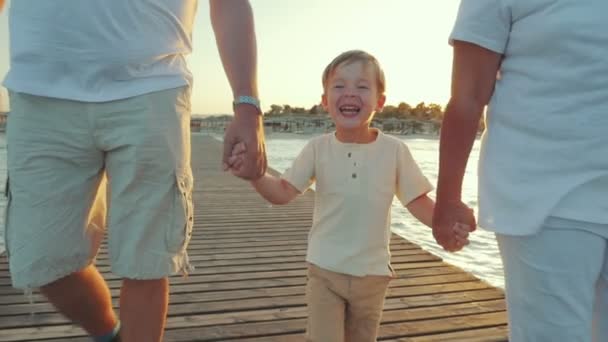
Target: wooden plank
490,334
43,307
264,257
260,329
250,278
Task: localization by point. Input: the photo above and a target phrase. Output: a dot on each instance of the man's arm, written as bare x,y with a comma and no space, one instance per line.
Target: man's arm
233,25
474,72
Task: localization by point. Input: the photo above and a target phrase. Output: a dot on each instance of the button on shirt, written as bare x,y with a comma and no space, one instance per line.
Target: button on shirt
355,187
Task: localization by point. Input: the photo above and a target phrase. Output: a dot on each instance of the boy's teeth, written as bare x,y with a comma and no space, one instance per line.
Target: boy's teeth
349,109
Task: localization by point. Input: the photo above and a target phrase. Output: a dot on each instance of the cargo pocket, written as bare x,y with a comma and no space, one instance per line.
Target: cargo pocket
180,232
7,195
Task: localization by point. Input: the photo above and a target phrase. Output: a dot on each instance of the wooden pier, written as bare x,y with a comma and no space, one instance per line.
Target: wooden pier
250,278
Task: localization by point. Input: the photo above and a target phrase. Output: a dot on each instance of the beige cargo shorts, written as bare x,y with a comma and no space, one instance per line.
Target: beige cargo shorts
75,166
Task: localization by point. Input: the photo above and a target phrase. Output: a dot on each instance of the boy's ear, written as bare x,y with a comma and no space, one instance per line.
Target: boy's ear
324,101
380,103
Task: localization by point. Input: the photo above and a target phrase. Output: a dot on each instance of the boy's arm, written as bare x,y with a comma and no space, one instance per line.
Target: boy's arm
274,189
422,208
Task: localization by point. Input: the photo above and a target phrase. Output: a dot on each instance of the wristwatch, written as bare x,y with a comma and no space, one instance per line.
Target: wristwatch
250,100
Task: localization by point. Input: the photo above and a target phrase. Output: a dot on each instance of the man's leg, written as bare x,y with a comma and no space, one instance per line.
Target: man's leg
147,139
550,282
89,303
143,308
600,313
56,214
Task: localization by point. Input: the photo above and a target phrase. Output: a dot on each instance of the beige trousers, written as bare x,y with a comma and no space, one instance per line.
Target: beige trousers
343,307
61,152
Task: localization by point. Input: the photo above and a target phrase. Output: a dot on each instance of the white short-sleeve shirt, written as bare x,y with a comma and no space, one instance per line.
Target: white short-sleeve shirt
99,50
355,186
545,150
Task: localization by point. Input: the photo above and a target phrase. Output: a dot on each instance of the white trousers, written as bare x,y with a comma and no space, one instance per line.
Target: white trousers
556,285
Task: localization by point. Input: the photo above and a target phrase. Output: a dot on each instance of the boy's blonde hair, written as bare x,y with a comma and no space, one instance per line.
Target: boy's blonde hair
352,56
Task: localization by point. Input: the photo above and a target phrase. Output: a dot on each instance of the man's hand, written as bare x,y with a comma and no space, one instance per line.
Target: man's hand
450,216
246,128
236,158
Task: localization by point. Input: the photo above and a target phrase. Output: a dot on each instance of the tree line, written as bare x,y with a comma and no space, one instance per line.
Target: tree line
403,110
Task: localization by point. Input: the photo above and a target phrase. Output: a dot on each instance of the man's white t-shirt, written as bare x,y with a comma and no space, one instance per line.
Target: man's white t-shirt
99,50
355,187
545,150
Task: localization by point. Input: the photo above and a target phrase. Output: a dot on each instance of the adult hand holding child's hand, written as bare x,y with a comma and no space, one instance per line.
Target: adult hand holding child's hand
246,128
452,222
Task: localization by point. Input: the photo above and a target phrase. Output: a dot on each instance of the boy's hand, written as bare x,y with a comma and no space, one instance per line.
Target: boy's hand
445,218
237,156
461,236
246,127
238,150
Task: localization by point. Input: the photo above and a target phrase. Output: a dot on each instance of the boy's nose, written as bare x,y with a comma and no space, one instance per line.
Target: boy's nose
349,92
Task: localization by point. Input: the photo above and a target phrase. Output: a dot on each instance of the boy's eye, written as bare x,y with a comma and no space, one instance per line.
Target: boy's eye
338,86
363,87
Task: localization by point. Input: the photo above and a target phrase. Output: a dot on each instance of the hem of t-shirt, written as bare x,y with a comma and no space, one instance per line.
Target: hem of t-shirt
522,230
477,40
573,217
551,221
532,227
569,223
347,272
140,88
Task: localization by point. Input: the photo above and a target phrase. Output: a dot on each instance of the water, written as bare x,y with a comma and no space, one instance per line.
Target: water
480,257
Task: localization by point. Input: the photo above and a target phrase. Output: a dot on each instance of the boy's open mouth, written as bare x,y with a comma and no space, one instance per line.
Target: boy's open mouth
349,110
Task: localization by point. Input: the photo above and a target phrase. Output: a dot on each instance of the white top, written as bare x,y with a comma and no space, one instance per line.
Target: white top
355,186
94,50
545,150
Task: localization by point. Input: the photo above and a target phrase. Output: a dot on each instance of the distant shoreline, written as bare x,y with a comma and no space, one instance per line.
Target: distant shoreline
306,136
318,124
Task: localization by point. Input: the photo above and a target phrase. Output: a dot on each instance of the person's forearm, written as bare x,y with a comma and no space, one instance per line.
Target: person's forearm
422,209
233,25
273,189
458,132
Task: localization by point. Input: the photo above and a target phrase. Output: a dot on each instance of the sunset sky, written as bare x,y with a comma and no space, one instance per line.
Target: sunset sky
298,38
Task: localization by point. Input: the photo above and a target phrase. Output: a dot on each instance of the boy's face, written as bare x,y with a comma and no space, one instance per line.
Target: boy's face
351,97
